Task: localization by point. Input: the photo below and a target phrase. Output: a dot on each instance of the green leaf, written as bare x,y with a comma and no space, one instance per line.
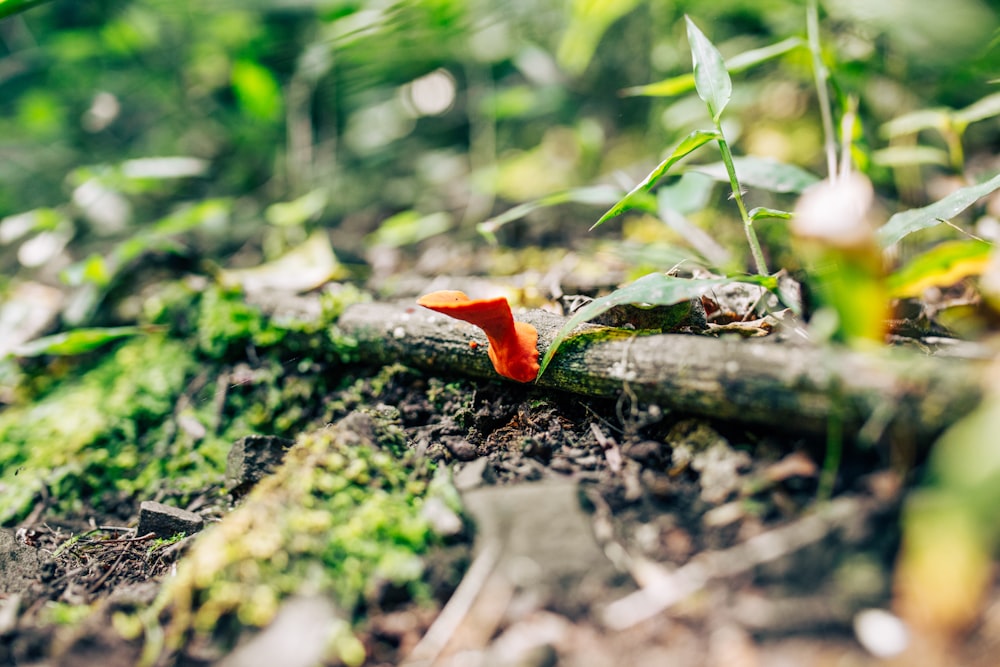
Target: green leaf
257,91
941,119
907,222
762,173
689,194
76,341
14,227
761,213
596,195
589,19
711,79
163,168
637,197
987,107
685,82
408,228
942,265
902,156
301,269
655,289
299,211
915,121
11,7
207,213
94,269
100,271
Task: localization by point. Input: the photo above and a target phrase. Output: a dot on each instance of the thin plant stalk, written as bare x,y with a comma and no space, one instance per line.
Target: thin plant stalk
822,92
834,453
847,127
715,87
727,159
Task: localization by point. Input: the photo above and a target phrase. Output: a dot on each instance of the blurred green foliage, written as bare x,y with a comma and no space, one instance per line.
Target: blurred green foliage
285,98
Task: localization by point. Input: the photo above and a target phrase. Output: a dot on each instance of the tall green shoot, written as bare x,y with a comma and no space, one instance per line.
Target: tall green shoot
821,76
715,87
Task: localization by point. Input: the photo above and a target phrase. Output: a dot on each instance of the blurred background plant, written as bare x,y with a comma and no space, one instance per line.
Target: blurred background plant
230,131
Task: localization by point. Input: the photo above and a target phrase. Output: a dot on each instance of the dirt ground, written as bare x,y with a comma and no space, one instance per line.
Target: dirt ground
599,533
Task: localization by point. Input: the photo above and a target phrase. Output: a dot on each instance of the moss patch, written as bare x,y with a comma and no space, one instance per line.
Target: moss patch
340,517
94,433
159,412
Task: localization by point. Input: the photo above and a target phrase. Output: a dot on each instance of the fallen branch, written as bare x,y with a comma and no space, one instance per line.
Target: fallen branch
900,395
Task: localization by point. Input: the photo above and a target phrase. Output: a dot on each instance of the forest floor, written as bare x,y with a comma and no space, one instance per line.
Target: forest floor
597,533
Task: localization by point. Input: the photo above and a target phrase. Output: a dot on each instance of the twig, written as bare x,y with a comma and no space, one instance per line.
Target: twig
433,643
662,589
104,577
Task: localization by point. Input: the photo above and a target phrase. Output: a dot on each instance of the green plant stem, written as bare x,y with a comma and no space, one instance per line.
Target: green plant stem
834,452
953,139
727,159
822,93
847,125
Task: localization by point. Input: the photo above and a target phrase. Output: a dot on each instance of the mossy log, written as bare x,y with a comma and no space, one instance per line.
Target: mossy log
903,396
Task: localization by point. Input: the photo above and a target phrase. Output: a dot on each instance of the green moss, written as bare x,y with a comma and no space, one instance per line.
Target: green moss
366,391
227,324
162,542
61,613
146,416
587,338
341,516
91,434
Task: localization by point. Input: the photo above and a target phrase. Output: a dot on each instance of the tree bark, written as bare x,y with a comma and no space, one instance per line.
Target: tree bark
893,395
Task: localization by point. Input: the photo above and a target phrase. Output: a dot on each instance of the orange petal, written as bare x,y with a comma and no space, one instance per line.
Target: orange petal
513,345
491,315
518,359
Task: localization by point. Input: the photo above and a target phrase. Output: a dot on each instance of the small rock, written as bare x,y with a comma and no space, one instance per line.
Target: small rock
724,515
19,564
444,521
700,447
658,484
307,630
474,473
795,464
10,611
545,535
251,458
882,633
166,521
646,452
537,449
460,448
531,642
719,467
562,465
729,644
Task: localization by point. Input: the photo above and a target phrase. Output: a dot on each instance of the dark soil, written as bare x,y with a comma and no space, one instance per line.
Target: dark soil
657,494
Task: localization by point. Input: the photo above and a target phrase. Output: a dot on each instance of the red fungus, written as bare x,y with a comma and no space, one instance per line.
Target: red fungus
513,345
